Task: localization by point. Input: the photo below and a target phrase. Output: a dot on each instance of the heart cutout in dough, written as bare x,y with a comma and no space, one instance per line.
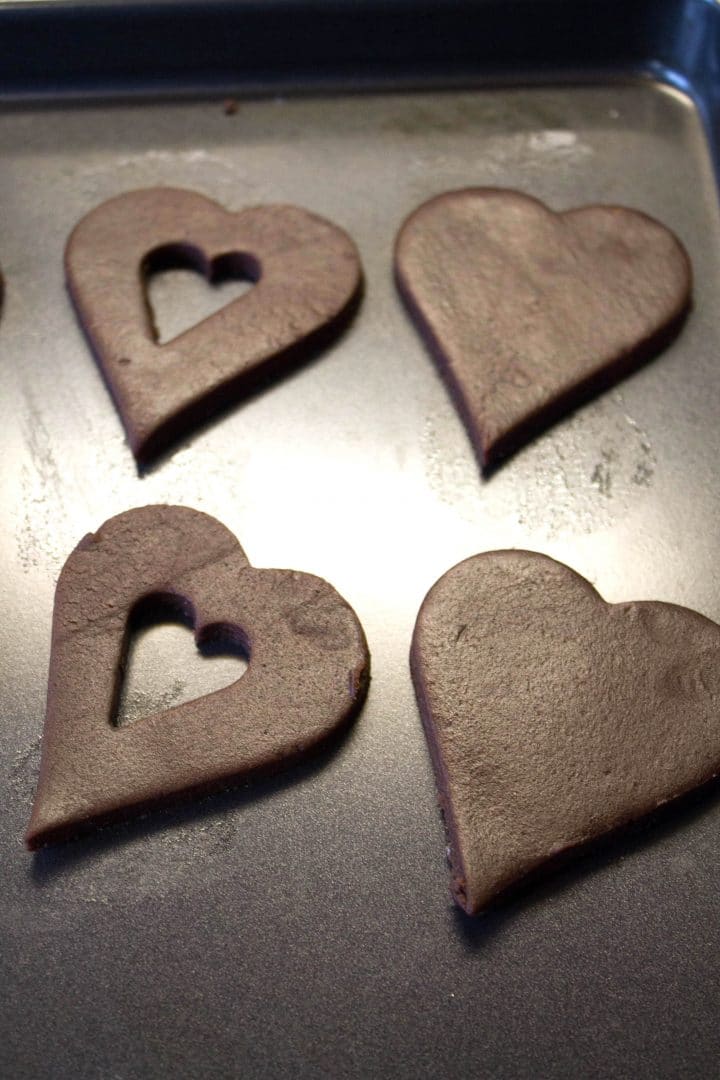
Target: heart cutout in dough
553,717
528,312
307,674
308,278
180,292
165,666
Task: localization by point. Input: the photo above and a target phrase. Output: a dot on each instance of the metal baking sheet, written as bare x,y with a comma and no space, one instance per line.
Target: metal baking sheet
303,926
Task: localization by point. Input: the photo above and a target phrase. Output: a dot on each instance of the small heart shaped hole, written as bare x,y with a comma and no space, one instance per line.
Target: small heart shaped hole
163,667
182,287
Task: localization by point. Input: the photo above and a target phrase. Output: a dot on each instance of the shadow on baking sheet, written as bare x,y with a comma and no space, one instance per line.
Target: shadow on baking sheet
63,858
183,427
566,871
198,416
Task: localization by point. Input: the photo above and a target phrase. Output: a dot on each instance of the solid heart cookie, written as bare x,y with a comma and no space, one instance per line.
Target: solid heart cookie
527,312
553,717
308,276
307,674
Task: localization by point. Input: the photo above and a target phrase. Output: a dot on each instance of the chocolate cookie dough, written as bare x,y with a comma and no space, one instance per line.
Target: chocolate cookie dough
527,311
308,278
553,717
307,674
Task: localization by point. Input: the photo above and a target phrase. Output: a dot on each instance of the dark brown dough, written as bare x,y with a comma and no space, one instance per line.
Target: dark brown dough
553,717
309,277
528,312
307,674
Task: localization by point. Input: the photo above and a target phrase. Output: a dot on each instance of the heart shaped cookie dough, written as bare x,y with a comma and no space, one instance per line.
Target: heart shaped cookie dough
553,717
307,674
308,277
528,312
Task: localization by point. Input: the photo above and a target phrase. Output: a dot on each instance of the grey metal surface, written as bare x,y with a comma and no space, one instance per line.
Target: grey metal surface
303,927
